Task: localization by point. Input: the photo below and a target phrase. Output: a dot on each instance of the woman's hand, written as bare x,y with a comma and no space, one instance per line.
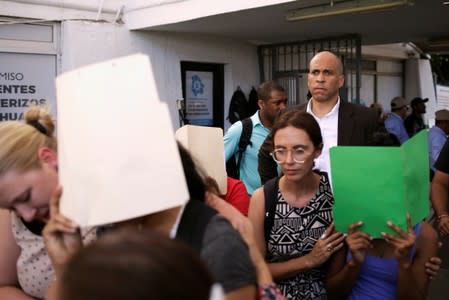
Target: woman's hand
358,242
62,236
433,265
403,243
328,243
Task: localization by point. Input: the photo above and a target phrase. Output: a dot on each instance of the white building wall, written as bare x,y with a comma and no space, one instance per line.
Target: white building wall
419,83
88,42
388,87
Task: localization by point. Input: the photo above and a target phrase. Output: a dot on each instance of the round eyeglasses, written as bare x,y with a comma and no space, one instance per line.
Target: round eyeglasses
299,155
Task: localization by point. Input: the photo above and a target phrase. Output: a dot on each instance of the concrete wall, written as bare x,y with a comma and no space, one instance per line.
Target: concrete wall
419,83
89,42
390,81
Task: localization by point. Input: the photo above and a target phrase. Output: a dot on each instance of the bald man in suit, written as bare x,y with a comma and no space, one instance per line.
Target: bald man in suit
341,123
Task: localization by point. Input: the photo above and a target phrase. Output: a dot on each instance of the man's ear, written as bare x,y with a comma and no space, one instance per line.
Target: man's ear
261,104
341,80
48,156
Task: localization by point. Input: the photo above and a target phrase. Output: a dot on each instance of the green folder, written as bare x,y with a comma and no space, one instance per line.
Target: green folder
379,184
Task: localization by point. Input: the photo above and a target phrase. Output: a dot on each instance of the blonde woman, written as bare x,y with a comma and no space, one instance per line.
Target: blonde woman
28,177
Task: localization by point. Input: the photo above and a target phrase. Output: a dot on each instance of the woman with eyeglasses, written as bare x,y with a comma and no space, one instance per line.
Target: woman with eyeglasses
301,237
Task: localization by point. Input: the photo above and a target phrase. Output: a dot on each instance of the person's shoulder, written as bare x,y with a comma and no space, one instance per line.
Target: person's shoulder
221,237
234,131
390,119
235,183
236,126
219,227
357,108
362,115
442,163
219,231
222,242
227,255
7,220
258,193
433,133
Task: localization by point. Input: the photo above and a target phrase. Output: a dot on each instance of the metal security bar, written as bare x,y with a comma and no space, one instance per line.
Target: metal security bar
287,63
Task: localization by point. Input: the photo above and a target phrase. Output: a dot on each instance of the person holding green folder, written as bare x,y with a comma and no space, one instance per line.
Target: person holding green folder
392,268
375,264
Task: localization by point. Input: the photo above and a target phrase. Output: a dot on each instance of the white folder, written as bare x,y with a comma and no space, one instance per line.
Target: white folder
118,158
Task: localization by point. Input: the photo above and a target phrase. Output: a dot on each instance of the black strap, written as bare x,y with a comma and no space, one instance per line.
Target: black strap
193,223
270,190
245,140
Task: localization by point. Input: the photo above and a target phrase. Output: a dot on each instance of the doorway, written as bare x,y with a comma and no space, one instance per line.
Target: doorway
203,93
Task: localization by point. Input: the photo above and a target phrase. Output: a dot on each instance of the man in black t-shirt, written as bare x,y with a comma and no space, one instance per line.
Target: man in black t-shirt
440,190
414,122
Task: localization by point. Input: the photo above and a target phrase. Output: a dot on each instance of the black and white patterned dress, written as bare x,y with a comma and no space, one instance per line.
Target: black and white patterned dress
294,233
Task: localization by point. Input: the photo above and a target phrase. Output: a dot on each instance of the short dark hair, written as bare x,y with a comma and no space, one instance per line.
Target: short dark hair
194,177
131,265
300,120
266,88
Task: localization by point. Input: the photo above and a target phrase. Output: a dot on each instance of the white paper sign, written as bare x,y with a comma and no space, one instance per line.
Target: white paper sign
206,146
118,158
199,97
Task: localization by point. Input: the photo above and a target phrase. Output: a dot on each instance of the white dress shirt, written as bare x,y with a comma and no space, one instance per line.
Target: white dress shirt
329,131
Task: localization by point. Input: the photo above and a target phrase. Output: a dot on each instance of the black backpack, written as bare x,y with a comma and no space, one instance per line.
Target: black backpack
233,166
270,192
238,107
253,100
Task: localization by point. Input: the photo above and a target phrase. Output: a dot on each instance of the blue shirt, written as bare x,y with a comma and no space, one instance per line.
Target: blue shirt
395,125
249,164
437,137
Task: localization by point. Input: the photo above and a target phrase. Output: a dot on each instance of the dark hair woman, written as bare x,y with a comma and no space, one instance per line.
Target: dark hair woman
301,238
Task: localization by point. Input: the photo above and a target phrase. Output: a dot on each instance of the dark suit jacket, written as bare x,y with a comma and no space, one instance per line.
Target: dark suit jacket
356,125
